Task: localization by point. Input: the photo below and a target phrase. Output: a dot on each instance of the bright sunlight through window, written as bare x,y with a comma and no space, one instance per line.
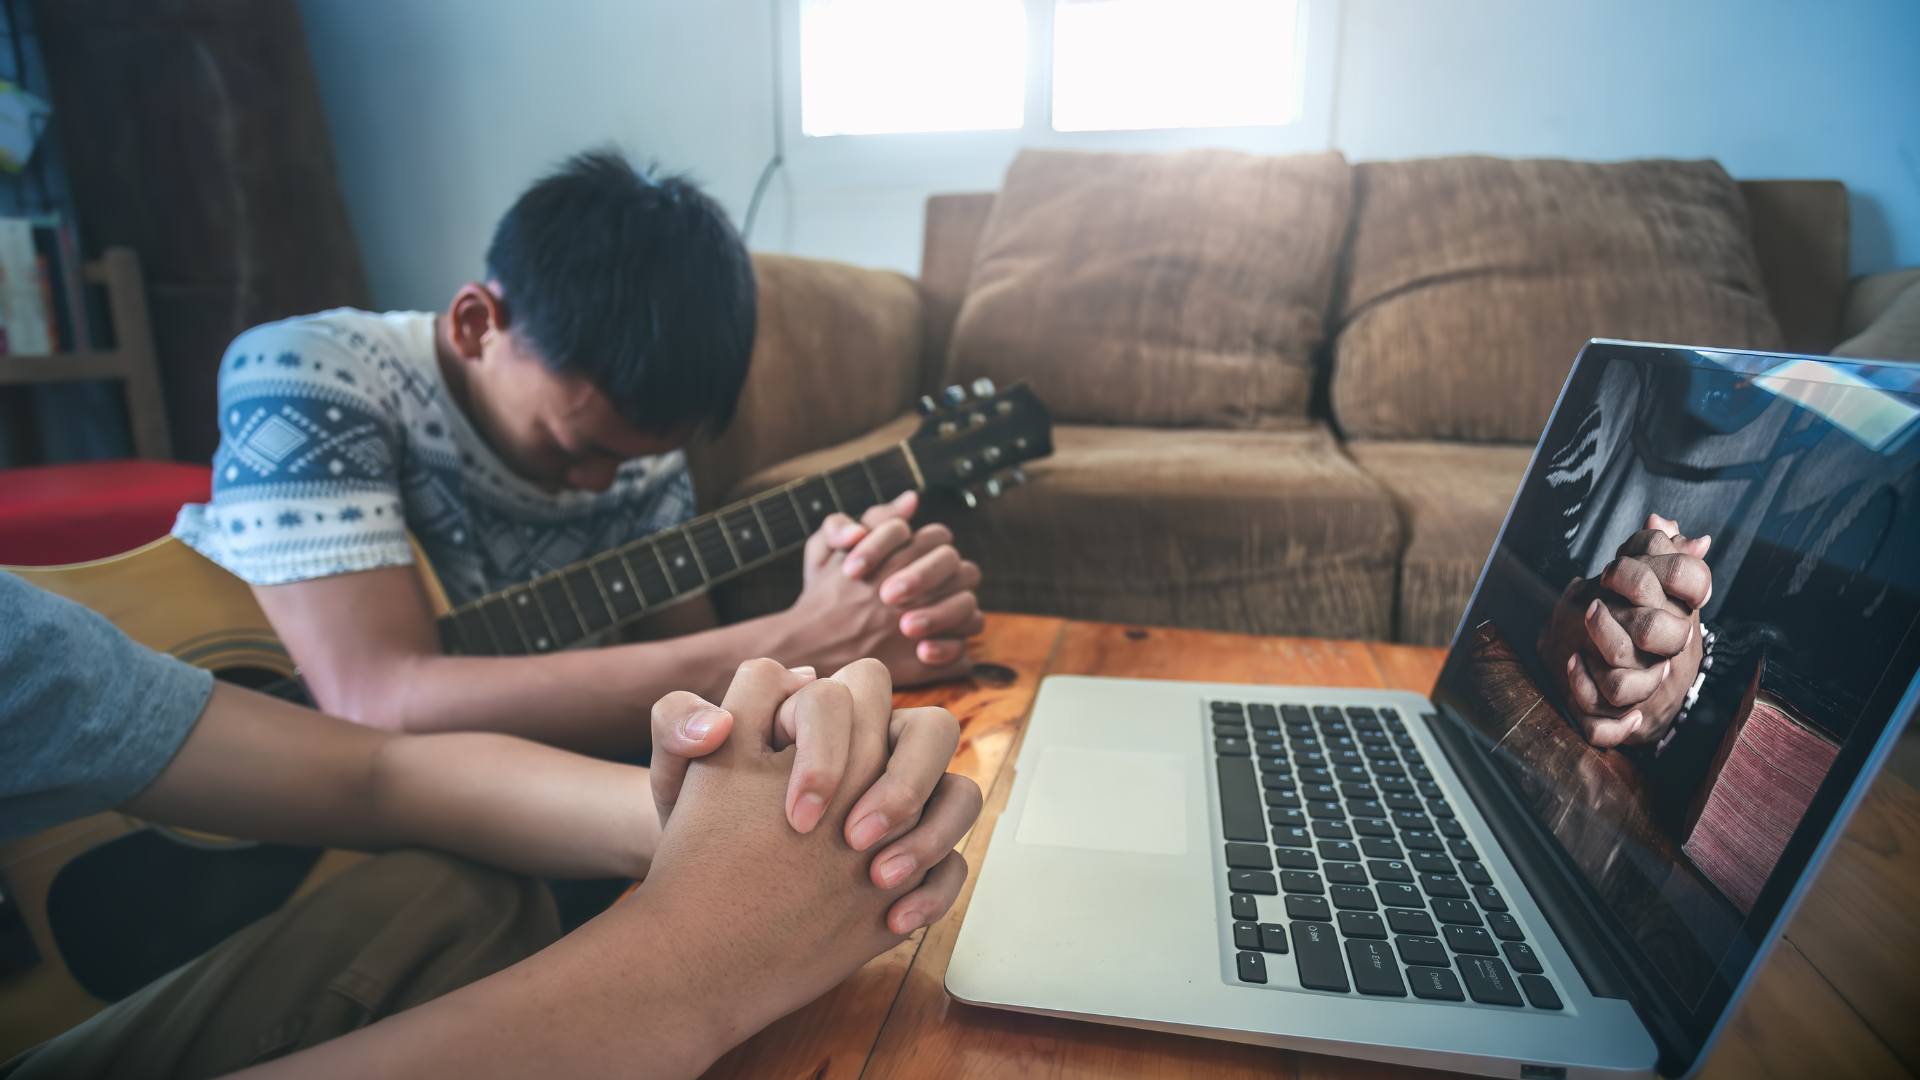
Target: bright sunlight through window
873,67
1130,64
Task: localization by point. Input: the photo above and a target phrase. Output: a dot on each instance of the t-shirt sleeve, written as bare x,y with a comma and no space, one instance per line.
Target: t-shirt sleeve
87,718
306,479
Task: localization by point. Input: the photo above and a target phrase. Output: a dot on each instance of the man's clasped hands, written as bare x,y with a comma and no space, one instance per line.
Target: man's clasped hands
1624,647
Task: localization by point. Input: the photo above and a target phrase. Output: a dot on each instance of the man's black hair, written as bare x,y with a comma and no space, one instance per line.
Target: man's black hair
638,282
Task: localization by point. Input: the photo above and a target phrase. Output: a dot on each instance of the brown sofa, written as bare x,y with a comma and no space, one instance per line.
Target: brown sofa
1292,396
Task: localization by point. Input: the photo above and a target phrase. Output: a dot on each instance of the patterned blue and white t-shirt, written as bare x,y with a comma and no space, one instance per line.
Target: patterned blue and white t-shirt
338,435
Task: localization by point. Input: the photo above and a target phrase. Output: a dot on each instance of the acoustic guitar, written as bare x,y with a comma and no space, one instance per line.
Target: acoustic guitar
102,905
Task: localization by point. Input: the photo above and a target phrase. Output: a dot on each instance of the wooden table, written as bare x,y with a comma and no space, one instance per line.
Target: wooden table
1840,998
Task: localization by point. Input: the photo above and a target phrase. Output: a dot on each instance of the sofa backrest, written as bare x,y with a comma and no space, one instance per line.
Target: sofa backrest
837,354
1800,237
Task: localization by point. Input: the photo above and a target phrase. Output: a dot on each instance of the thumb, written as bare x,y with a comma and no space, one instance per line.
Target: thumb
685,726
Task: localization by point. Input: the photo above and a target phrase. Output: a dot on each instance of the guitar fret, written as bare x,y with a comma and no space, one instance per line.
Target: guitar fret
747,533
680,561
476,636
551,592
710,543
781,516
590,599
524,605
616,583
507,631
813,500
866,467
892,473
649,572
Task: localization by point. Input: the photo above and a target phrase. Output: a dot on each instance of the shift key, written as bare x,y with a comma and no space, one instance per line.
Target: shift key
1317,952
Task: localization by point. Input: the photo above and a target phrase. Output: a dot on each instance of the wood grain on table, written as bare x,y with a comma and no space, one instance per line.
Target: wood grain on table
1836,1000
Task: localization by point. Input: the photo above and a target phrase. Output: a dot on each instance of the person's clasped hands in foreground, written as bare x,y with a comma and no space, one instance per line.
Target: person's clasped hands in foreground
1624,647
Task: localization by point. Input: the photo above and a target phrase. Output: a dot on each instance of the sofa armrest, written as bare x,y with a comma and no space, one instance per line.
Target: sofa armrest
836,354
1870,295
1891,304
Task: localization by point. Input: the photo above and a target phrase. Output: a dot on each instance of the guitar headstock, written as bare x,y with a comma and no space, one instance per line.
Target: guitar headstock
974,439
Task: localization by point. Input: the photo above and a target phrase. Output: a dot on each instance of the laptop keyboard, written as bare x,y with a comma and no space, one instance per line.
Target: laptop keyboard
1334,821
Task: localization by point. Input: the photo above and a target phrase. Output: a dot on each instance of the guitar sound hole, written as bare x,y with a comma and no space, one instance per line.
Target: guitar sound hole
267,681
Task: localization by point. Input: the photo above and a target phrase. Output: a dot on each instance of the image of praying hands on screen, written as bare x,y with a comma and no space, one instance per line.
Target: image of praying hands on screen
1623,647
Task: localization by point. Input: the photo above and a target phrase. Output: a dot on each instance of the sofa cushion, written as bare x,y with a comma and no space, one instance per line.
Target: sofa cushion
837,352
1471,284
1453,498
1164,289
1894,335
1272,532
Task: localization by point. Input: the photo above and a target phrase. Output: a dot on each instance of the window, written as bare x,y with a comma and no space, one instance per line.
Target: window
1133,64
876,67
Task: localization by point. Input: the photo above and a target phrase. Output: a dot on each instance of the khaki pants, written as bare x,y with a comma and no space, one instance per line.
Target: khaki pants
384,936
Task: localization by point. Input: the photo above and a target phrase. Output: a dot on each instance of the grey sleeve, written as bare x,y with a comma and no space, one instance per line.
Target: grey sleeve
88,718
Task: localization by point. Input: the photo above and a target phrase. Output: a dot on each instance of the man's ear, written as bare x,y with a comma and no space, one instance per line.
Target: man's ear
475,312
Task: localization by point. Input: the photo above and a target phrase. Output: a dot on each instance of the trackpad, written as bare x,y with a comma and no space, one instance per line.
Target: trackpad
1105,800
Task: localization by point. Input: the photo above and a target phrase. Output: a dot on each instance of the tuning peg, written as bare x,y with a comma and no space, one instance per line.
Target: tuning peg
928,406
994,487
983,387
967,496
955,395
991,455
1017,477
964,466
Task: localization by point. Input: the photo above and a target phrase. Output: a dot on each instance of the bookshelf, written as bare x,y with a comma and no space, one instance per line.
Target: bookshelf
130,362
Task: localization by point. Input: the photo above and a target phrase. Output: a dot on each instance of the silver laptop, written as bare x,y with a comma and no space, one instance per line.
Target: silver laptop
1463,880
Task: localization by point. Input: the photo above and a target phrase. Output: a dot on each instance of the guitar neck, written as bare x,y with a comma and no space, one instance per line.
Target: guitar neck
567,606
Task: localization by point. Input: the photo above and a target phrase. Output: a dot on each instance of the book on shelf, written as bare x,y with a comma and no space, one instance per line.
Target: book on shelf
1775,753
43,306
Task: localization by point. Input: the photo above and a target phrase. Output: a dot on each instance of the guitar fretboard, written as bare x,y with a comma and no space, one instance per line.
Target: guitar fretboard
569,605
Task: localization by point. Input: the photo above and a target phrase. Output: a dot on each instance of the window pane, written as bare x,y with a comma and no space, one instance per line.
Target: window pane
871,67
1125,64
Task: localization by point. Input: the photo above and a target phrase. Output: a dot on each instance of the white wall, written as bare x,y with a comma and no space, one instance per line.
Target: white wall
442,112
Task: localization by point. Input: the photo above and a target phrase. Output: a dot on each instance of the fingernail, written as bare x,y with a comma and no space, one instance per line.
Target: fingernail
1572,660
1666,669
913,626
910,922
700,723
807,811
891,593
867,830
903,498
854,566
895,870
1593,609
805,670
1633,721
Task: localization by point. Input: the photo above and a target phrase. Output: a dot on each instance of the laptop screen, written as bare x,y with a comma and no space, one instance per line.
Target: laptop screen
1696,625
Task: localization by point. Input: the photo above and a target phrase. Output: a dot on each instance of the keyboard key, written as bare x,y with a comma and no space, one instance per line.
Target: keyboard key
1326,811
1452,829
1431,790
1233,707
1232,747
1505,927
1309,907
1409,921
1240,801
1352,774
1463,851
1295,714
1285,837
1439,808
1522,957
1411,756
1351,790
1458,912
1252,965
1268,747
1367,808
1434,983
1392,718
1263,716
1395,785
1332,830
1476,873
1303,744
1319,792
1317,953
1229,731
1377,848
1421,841
1248,857
1470,939
1372,827
1344,757
1487,981
1540,992
1382,755
1398,895
1273,937
1246,935
1422,950
1296,859
1431,862
1272,780
1300,881
1341,850
1252,881
1390,870
1419,772
1314,774
1345,873
1489,898
1281,799
1286,819
1403,740
1244,907
1443,885
1352,898
1361,712
1374,971
1328,714
1275,764
1361,924
1406,802
1411,819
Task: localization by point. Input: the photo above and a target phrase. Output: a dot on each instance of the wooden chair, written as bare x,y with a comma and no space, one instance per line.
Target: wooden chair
131,361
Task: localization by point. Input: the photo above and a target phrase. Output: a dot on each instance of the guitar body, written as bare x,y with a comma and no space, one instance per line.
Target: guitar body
170,598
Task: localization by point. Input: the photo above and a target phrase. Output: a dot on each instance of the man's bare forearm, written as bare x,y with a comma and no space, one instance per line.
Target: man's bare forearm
260,768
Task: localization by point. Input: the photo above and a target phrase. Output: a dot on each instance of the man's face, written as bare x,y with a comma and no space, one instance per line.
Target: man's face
555,430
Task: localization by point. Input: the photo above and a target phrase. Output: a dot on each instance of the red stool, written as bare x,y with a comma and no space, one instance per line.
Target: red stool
53,514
